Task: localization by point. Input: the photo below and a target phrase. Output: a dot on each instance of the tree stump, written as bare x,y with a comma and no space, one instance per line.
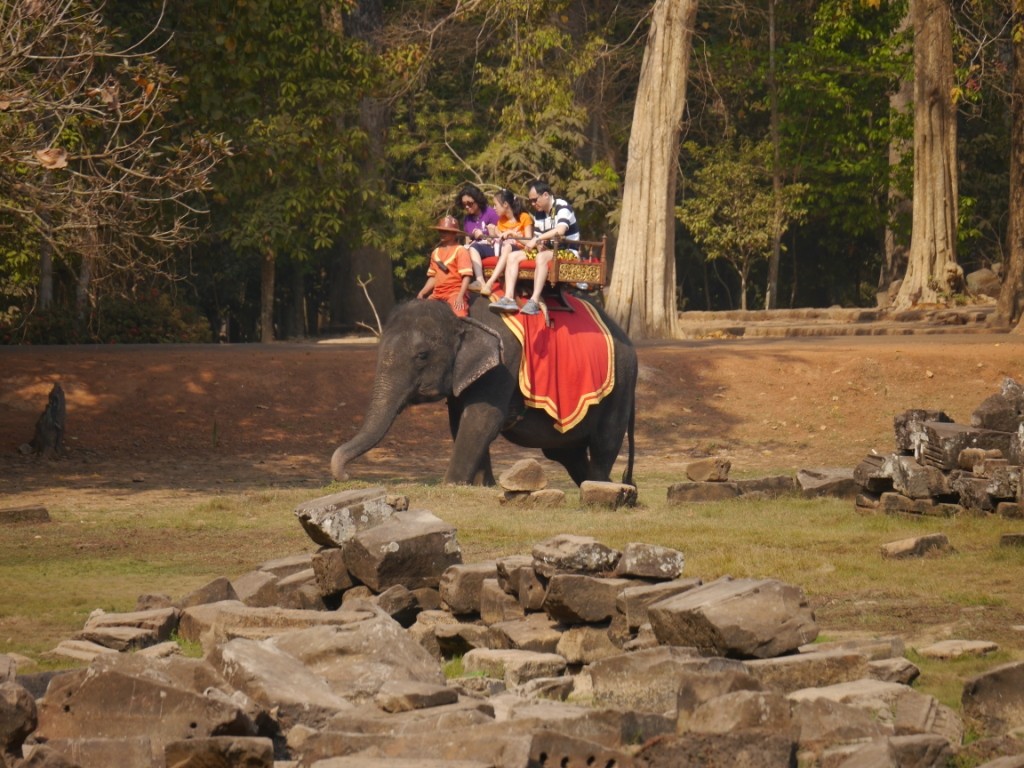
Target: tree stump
49,437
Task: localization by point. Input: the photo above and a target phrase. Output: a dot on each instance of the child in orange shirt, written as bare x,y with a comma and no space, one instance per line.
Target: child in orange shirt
514,225
450,269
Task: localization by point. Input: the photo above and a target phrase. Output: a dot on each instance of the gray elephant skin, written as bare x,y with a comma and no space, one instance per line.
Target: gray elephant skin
428,354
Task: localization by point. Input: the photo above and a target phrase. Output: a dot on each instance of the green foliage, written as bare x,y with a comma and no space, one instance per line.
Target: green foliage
190,649
507,97
149,318
730,208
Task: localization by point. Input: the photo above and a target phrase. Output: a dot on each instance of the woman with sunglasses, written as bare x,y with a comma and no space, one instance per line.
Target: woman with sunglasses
479,215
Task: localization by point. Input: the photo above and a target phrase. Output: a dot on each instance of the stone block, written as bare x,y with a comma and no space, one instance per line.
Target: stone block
710,470
32,514
460,638
211,592
567,553
123,695
649,680
283,567
870,475
357,659
595,493
740,618
525,475
650,561
257,589
460,585
827,481
915,480
956,649
406,696
632,602
746,749
586,644
508,571
411,548
805,670
218,622
581,599
690,492
909,427
399,603
90,752
994,700
917,546
515,667
496,605
332,576
741,711
221,751
535,632
332,520
18,717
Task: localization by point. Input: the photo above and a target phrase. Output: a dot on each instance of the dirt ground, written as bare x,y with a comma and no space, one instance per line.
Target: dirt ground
188,420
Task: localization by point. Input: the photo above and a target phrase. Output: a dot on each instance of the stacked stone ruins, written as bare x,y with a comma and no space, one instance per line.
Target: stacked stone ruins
943,468
383,648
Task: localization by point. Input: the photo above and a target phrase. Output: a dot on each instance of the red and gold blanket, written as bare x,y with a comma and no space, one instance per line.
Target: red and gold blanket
567,367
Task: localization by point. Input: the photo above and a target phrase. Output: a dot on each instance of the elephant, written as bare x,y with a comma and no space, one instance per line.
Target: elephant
428,354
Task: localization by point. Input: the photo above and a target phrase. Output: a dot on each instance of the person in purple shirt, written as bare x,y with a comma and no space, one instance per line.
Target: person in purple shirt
478,215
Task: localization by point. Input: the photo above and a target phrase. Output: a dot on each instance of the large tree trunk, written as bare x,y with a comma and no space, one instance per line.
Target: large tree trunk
932,270
642,296
267,270
894,264
1010,307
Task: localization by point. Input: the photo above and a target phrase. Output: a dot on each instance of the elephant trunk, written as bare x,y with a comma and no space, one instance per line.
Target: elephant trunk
385,405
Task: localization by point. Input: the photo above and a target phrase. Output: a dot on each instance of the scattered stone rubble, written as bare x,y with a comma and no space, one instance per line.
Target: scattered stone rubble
708,480
576,654
942,469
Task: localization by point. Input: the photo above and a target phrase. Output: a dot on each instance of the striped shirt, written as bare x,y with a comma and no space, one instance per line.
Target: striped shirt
561,213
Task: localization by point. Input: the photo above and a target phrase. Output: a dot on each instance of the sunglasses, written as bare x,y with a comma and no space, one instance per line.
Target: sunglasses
468,203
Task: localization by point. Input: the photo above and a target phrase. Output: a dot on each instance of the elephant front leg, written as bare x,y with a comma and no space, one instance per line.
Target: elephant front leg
474,428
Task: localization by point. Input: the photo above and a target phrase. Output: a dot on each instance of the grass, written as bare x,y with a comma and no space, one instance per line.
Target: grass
52,576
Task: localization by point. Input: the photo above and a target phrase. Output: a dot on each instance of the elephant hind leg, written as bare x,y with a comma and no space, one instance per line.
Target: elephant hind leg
574,459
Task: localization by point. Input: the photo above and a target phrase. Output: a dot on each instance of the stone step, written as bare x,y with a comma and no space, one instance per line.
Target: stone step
834,321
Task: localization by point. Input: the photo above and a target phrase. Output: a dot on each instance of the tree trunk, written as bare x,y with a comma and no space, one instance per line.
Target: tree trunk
1011,296
45,275
771,294
267,269
90,251
894,264
642,295
297,314
932,271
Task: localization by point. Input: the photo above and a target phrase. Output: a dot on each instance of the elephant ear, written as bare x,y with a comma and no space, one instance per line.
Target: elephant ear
479,350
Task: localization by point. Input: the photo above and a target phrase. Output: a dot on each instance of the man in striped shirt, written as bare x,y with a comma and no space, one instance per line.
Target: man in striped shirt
552,217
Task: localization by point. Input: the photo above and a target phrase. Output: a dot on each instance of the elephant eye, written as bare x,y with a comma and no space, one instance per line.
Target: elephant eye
422,356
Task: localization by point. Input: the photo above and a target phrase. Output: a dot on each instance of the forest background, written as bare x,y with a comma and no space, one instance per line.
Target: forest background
259,169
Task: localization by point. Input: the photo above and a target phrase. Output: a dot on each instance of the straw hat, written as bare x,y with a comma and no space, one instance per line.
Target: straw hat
448,224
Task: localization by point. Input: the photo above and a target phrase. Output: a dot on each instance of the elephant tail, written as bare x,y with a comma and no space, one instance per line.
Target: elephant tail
627,476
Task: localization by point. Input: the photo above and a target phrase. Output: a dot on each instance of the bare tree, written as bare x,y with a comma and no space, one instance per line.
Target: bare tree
642,296
90,167
932,270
